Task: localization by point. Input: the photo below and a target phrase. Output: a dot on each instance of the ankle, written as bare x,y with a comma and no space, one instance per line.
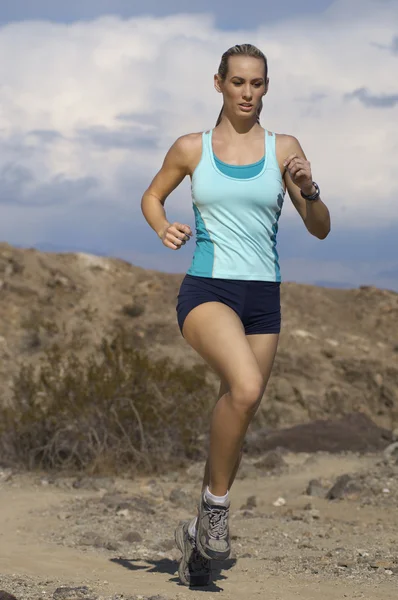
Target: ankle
215,498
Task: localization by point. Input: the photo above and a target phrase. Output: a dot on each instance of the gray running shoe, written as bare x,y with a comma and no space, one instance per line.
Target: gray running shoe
212,537
194,569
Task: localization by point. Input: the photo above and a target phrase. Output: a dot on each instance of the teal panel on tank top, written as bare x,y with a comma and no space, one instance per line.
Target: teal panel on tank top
202,261
240,171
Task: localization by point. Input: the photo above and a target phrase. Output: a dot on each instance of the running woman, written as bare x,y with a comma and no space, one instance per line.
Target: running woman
228,306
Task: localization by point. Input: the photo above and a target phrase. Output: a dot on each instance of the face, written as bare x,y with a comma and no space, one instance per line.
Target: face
244,86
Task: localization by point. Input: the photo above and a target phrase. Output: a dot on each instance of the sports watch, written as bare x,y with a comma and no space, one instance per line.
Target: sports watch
314,196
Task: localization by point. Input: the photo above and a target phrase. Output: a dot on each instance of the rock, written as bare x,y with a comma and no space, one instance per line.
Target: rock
251,502
94,483
132,537
6,596
381,564
181,498
346,564
279,502
272,461
155,490
391,451
62,516
97,541
124,512
119,502
342,488
315,514
164,546
247,471
5,475
302,333
355,432
315,489
79,593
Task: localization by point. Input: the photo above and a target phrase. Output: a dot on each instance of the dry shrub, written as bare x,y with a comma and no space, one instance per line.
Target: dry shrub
114,413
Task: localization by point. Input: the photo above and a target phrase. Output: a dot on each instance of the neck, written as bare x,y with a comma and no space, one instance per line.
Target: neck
232,126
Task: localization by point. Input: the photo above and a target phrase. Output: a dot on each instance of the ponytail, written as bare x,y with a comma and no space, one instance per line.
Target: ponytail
220,116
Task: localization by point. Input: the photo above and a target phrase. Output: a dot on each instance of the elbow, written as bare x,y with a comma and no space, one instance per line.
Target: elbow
143,202
319,230
322,235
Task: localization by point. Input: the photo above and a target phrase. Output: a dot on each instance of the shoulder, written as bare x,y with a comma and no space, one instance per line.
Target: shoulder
188,143
287,144
286,141
186,151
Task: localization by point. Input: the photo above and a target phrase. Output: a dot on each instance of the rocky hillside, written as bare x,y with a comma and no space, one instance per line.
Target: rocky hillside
338,351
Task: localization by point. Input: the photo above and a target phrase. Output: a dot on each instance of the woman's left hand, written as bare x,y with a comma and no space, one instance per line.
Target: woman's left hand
299,170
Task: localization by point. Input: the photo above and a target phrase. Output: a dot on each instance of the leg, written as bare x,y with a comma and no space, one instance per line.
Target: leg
260,345
206,477
216,333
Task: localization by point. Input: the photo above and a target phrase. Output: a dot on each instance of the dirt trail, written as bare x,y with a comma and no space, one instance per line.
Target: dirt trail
40,527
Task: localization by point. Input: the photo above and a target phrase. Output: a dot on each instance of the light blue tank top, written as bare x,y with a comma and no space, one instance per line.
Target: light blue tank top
236,218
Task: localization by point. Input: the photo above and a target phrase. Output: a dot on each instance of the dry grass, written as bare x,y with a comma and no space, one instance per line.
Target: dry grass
116,413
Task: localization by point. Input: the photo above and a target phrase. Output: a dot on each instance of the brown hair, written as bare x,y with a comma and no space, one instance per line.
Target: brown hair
240,50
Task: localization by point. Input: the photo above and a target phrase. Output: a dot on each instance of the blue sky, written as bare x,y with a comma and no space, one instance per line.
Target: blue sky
93,93
227,15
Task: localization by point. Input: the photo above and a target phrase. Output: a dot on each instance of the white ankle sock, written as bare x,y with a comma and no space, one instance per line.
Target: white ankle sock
192,528
216,499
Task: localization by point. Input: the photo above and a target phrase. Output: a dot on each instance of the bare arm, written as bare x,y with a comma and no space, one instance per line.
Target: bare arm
298,177
176,166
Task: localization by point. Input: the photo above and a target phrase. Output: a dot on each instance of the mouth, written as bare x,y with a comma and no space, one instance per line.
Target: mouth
246,106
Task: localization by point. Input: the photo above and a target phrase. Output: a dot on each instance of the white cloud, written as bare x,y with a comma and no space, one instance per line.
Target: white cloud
75,79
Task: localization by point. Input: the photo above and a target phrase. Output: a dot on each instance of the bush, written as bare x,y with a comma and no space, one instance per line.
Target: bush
114,413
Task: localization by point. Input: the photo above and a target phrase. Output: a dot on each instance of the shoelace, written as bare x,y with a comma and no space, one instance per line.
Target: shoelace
218,519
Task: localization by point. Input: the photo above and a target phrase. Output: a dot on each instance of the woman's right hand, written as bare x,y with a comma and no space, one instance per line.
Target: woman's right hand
176,235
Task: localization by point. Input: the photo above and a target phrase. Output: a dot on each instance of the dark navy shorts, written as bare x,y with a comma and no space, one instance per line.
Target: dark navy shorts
257,303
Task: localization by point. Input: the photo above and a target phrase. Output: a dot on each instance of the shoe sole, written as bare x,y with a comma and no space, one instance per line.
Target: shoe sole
211,554
179,539
180,543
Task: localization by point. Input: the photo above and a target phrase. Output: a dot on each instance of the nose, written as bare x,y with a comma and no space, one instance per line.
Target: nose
247,93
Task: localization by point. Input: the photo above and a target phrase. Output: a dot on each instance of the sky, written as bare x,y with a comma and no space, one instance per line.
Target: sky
93,93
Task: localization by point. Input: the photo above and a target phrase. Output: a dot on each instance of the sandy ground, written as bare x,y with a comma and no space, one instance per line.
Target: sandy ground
115,536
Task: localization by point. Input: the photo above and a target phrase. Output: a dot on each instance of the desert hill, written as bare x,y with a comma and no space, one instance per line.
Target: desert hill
338,351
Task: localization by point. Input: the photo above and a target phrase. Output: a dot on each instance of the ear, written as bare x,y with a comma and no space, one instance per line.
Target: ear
266,86
217,83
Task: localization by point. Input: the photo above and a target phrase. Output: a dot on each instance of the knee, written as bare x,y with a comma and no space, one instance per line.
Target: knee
247,395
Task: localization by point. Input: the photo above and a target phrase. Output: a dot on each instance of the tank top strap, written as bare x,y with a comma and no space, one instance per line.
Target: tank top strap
207,148
270,143
271,150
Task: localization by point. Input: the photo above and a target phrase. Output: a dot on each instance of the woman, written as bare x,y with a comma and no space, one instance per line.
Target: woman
229,302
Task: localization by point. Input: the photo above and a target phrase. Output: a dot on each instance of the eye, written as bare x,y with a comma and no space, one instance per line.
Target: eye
237,82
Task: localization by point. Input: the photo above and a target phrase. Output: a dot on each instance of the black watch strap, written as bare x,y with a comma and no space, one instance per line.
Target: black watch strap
313,196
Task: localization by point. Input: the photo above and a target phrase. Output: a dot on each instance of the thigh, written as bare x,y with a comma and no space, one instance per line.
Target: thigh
195,291
264,347
216,332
